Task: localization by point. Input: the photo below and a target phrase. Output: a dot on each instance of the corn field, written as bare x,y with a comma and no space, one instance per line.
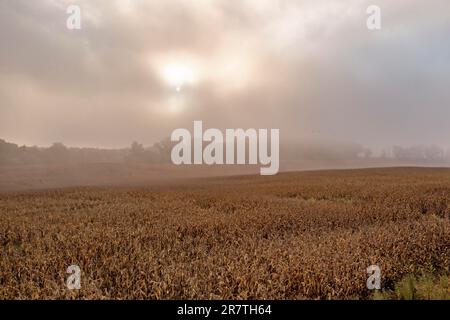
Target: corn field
307,235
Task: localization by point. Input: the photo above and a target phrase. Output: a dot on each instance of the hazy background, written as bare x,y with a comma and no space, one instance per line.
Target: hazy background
139,69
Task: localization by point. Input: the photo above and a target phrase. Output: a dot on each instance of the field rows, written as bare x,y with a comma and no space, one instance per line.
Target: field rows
304,235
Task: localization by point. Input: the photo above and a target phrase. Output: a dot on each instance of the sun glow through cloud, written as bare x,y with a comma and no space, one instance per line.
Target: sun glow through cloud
178,75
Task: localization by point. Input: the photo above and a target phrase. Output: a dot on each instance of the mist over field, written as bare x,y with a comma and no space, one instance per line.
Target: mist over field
111,93
28,168
115,117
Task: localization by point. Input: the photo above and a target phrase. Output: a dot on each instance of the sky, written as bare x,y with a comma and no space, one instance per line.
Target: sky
137,70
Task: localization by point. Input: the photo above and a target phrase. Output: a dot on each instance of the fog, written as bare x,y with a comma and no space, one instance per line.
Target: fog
137,70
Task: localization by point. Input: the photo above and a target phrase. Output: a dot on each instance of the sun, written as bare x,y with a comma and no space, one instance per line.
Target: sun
178,75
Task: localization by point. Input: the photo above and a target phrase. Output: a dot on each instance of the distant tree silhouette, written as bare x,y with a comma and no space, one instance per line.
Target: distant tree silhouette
58,153
164,149
137,149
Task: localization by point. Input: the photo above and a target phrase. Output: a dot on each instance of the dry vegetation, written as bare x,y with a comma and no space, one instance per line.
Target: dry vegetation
292,236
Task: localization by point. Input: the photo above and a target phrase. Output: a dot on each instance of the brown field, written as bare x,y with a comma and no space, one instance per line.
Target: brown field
308,235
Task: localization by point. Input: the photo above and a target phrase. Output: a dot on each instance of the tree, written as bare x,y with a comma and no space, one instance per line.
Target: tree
58,152
137,149
164,149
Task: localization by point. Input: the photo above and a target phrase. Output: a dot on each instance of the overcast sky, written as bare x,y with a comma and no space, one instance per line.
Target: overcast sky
139,69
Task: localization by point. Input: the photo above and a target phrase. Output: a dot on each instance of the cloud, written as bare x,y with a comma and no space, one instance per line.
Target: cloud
310,68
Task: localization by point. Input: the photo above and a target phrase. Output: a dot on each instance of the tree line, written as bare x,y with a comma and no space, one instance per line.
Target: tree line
159,153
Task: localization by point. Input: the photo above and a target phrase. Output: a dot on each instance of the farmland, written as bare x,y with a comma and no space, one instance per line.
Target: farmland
298,235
